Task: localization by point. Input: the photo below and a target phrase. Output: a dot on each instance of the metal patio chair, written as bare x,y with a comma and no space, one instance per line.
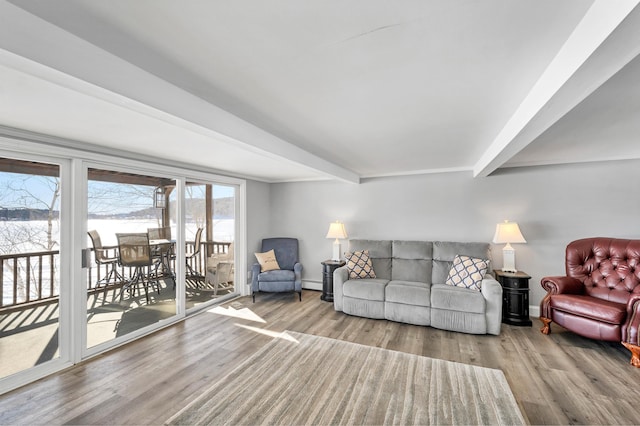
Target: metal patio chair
135,252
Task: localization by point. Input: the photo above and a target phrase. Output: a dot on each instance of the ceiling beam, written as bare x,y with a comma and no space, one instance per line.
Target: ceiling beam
67,60
607,39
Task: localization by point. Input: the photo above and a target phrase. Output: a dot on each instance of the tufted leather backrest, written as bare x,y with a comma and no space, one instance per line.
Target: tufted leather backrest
609,268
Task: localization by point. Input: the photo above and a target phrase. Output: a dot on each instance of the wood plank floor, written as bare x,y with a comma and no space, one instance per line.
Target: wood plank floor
556,379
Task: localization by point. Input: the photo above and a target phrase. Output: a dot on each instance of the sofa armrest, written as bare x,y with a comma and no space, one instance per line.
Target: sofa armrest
340,276
492,292
562,285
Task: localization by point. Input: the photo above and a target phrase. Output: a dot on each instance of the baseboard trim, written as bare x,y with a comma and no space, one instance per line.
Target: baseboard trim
534,311
312,285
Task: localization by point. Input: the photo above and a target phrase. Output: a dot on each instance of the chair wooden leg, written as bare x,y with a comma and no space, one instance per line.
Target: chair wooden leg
635,353
253,295
300,296
546,325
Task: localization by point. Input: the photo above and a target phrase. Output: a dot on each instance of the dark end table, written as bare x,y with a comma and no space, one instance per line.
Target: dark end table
515,297
328,266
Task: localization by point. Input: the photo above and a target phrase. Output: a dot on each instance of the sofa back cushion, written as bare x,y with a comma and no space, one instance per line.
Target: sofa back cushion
609,268
412,261
445,251
379,253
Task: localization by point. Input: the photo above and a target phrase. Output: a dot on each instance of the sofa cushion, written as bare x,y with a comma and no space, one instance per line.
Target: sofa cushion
379,253
412,261
590,307
467,272
366,288
359,265
456,299
408,293
445,251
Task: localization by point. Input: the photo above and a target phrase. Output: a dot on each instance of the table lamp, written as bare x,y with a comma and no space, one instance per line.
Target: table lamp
337,231
508,232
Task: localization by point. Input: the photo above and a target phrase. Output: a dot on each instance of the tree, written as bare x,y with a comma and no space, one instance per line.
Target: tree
30,193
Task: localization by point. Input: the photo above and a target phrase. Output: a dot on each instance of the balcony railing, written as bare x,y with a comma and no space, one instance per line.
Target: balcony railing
31,278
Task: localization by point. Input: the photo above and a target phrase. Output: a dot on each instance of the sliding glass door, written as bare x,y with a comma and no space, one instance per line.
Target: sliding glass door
30,259
210,230
94,253
131,278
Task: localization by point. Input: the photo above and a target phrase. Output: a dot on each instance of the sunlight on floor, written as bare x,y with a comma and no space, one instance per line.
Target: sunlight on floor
244,313
275,334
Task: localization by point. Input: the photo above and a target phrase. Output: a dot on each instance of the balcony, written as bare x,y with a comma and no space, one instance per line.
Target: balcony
29,304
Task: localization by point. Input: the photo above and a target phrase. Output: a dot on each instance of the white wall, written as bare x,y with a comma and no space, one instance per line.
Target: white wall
258,219
553,206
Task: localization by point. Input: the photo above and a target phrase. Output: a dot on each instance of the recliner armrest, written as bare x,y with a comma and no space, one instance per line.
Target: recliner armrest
562,285
630,330
297,270
255,271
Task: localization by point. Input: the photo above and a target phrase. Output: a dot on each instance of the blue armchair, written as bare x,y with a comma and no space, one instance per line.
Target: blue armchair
288,277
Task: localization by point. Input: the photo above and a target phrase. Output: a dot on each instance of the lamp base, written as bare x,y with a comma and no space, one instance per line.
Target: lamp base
509,259
336,250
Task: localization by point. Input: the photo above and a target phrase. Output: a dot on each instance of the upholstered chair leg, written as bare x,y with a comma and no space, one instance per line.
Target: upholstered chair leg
635,353
546,325
300,296
253,295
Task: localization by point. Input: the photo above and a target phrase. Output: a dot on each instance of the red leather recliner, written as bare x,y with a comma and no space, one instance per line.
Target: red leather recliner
599,298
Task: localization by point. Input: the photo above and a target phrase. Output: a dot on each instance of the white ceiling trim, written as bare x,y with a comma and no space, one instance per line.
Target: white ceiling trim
420,172
607,156
78,65
607,36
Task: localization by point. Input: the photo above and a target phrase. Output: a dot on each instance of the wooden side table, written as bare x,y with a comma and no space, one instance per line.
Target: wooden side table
328,266
515,297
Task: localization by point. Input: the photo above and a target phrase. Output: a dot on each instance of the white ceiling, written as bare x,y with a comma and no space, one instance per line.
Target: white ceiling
291,90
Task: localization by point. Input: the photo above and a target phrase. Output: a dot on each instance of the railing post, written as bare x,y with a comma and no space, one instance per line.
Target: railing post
40,277
15,281
2,283
52,273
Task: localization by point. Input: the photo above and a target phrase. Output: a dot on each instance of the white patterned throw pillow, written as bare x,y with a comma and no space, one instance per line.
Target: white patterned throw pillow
467,272
359,265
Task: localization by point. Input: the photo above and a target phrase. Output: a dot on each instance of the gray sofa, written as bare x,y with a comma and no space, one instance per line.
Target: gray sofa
410,287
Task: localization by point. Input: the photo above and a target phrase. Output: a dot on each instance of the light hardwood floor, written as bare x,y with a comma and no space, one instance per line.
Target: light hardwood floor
556,379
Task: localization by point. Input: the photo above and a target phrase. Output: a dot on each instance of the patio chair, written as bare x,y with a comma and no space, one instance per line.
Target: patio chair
135,252
162,254
222,277
101,257
193,256
220,270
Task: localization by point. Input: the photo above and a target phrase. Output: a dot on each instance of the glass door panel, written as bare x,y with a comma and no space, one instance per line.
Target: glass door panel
210,228
29,264
131,280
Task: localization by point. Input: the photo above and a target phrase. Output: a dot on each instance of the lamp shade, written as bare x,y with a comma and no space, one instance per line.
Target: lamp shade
336,230
508,232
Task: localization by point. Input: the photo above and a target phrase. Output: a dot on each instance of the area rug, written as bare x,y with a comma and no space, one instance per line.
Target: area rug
300,379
